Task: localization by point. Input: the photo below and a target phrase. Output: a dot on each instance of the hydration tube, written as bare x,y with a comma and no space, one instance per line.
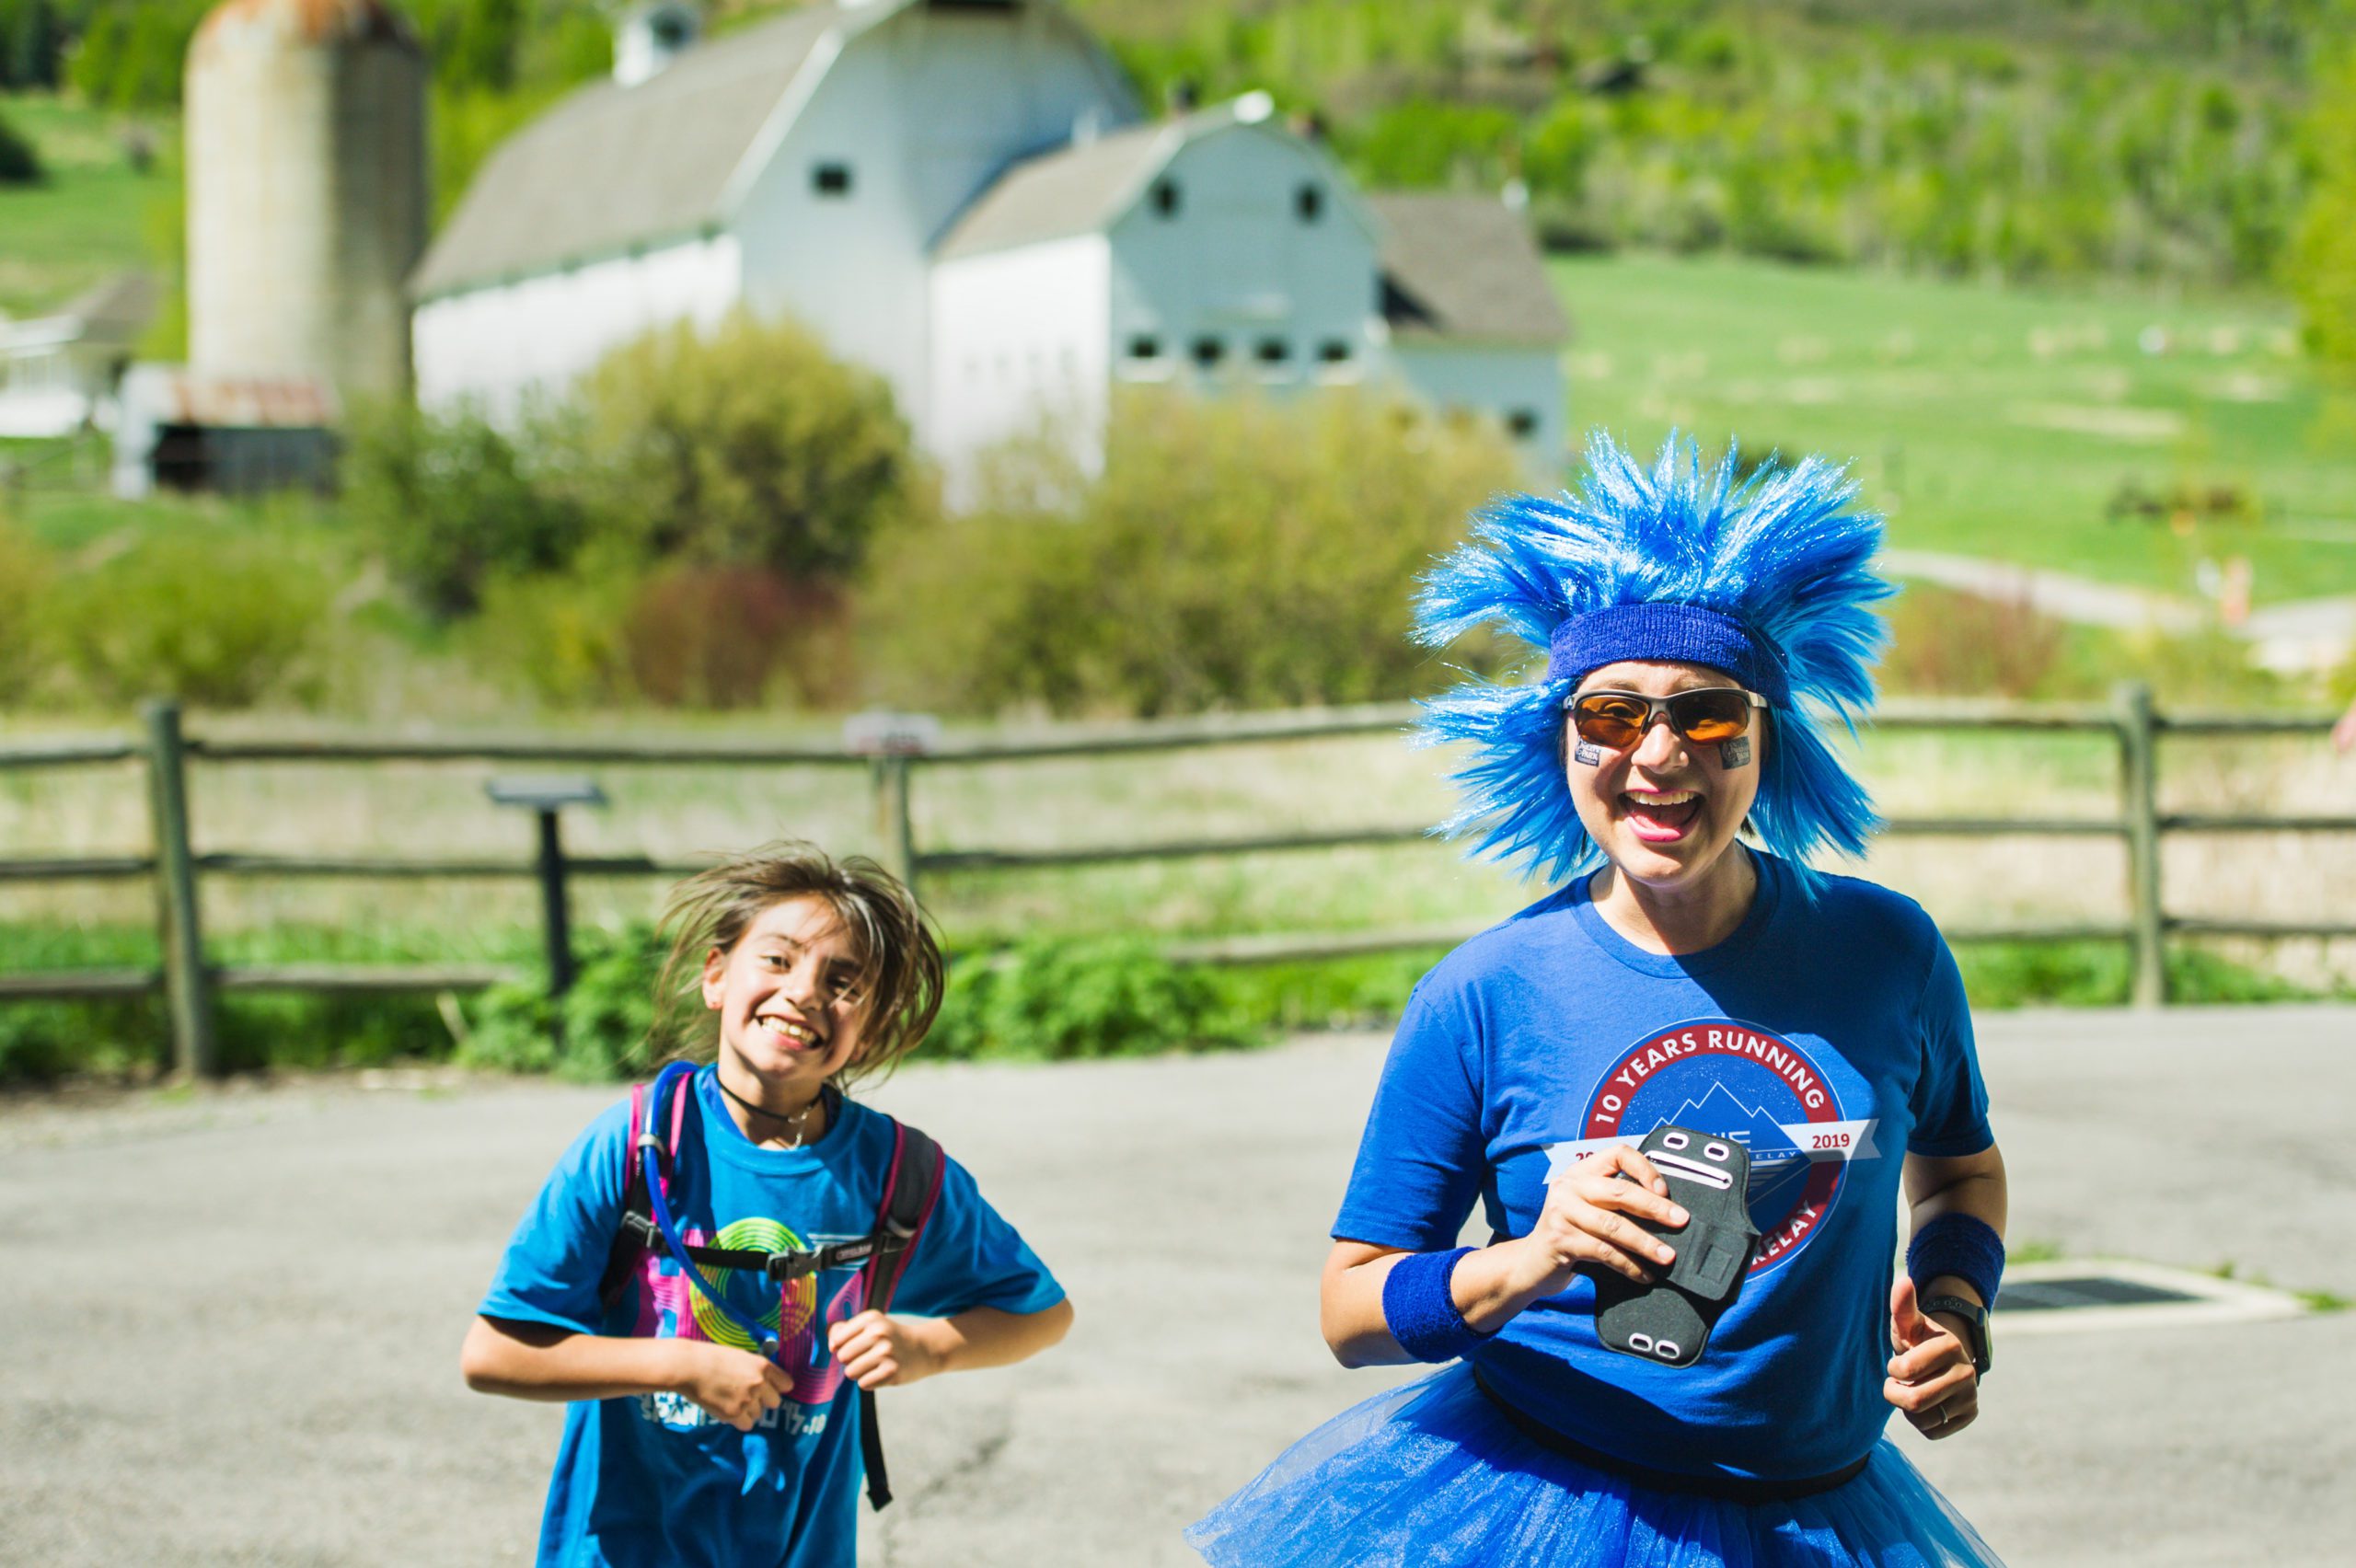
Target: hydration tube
649,1149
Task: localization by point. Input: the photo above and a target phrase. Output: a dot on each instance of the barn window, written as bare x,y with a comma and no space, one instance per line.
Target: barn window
831,179
1310,202
1208,351
1334,351
1523,423
1145,345
1165,197
1273,350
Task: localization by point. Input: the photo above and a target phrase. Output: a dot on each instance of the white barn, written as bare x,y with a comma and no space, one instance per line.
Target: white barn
963,196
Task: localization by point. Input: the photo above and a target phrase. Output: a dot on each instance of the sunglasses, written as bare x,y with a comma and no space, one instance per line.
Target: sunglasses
1619,719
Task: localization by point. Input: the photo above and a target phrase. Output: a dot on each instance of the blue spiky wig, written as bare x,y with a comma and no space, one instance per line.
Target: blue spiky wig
1766,578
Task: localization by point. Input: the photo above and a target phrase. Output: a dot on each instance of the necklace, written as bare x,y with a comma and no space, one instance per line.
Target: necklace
798,1120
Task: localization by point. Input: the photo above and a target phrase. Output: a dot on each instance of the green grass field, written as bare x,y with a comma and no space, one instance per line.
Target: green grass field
1989,421
95,213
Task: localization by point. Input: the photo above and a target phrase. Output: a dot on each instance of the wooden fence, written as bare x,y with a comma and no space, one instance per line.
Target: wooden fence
188,982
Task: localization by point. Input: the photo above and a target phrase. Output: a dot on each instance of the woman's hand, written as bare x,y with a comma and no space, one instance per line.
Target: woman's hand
1931,1378
736,1385
1590,1217
881,1352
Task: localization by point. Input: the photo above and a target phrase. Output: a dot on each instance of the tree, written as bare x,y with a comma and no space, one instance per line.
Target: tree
451,501
746,445
19,164
1233,553
29,44
2322,266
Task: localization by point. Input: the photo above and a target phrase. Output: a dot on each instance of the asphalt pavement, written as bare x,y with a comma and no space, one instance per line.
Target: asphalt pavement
229,1319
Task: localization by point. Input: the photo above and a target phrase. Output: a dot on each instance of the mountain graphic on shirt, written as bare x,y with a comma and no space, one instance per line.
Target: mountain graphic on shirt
1777,1164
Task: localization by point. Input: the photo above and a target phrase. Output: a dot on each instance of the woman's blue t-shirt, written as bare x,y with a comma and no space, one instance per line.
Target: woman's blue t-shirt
1830,1036
651,1479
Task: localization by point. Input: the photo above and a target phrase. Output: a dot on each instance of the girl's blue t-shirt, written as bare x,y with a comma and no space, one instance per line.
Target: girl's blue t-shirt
1830,1036
651,1479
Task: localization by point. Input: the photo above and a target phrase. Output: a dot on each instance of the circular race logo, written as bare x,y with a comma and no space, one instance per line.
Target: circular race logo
786,1312
1736,1081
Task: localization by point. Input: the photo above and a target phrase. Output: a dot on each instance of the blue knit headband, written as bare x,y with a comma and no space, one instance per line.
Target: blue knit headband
1686,634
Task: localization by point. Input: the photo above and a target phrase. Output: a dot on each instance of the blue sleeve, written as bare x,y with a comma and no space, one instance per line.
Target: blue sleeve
1422,1159
969,1257
1950,1102
557,1258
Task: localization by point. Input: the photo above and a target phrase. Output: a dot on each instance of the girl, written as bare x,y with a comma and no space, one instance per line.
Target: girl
688,1440
1712,995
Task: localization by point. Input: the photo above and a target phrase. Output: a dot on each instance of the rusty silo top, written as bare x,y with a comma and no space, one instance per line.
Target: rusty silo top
313,23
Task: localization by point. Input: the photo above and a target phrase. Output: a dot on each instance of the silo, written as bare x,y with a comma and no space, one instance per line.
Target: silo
306,191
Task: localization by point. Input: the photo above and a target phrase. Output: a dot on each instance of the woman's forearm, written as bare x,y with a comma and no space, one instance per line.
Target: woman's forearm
1490,1286
540,1361
1974,1185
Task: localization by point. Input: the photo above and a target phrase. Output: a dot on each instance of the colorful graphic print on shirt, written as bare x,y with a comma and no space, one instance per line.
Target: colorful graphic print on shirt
669,1307
1735,1080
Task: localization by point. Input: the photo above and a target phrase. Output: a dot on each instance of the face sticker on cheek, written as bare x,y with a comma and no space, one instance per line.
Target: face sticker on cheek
1735,753
1587,752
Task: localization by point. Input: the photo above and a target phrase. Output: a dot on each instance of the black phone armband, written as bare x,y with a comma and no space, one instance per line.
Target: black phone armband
1670,1321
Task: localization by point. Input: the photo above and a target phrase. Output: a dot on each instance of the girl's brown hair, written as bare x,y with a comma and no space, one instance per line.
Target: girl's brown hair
900,966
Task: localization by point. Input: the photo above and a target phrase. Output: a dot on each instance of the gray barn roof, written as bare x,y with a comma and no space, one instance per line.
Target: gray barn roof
1076,190
614,167
1459,266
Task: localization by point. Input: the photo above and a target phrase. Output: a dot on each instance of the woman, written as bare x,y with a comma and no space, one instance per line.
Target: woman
1691,623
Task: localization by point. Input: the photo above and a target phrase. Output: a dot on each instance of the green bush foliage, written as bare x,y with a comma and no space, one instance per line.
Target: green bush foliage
745,446
130,51
19,162
31,43
218,618
1233,553
451,501
1062,999
2322,268
557,639
602,1029
743,637
2113,137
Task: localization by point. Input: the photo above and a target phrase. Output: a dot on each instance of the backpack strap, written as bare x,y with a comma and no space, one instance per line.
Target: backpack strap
636,1235
911,1188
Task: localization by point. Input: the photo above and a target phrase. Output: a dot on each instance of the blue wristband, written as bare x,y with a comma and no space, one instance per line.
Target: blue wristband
1419,1311
1960,1245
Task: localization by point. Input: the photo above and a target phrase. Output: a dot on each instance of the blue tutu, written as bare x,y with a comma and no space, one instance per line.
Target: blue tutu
1432,1474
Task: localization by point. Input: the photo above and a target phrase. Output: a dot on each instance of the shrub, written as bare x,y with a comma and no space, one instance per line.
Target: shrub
451,501
19,164
557,639
600,1030
214,618
707,636
1953,643
1064,1000
1233,553
746,445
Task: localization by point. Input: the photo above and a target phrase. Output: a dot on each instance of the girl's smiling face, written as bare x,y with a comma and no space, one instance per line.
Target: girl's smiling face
790,1014
1665,810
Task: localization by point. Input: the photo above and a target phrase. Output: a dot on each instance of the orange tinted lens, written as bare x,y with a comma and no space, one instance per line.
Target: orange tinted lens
1710,715
1614,721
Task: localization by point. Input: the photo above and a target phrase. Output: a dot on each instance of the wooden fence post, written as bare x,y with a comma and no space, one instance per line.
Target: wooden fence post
2139,803
187,986
893,825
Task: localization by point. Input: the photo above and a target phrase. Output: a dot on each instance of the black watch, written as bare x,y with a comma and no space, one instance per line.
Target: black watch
1975,1320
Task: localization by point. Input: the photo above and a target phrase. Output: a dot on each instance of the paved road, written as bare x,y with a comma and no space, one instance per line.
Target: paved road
229,1322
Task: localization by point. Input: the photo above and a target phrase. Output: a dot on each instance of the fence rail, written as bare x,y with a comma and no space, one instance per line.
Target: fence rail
188,980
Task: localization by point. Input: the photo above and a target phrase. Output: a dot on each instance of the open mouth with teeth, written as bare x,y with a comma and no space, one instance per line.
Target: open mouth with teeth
791,1033
1660,816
